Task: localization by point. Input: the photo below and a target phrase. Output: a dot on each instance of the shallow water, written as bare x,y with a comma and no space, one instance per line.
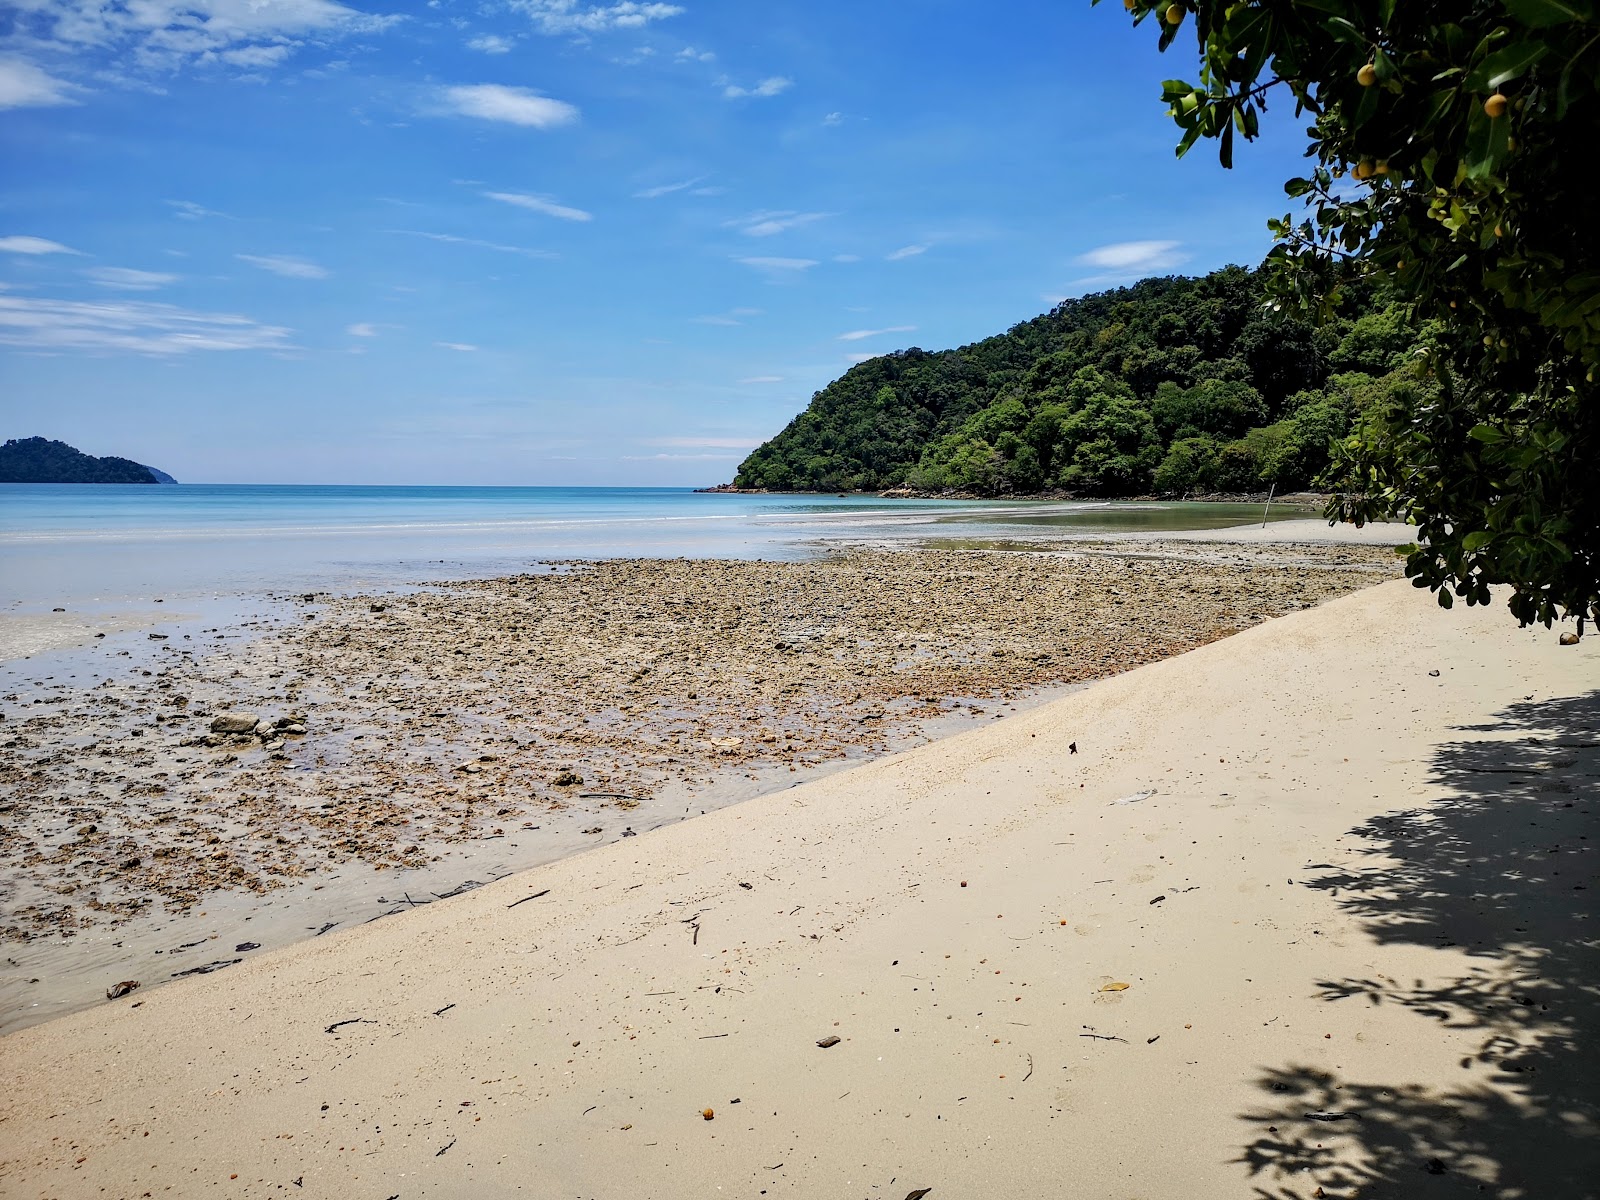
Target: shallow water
76,545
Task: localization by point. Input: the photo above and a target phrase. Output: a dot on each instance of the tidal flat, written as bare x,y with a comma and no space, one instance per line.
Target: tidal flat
414,743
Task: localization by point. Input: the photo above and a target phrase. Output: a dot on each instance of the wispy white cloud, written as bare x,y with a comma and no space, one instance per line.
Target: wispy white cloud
362,329
558,17
766,224
169,33
847,258
257,56
768,87
22,244
136,327
478,243
490,43
512,105
126,279
856,335
779,264
285,265
690,54
707,443
731,317
540,204
905,252
666,189
680,457
1134,258
464,347
24,85
833,118
754,379
188,210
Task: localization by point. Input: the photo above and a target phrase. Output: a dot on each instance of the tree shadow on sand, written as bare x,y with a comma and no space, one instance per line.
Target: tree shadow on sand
1503,866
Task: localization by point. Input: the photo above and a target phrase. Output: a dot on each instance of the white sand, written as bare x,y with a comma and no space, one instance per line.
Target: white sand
579,1035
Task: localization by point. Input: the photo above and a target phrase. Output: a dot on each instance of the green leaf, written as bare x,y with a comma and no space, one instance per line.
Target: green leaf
1541,14
1476,540
1504,65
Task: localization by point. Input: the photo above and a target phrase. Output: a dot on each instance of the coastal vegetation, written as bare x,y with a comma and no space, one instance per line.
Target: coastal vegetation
41,460
1170,386
1423,340
1451,150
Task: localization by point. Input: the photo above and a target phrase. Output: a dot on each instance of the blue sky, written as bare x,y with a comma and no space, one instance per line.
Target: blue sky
557,241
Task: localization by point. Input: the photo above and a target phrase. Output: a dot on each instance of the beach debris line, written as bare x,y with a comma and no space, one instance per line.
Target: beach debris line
121,989
348,1021
525,899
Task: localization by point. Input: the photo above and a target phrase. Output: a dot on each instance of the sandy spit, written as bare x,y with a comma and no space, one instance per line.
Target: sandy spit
1307,913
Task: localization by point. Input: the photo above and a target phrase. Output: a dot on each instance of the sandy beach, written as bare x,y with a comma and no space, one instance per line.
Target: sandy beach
414,743
1306,913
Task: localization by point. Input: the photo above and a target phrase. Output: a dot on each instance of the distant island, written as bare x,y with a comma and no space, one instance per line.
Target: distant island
40,460
1171,386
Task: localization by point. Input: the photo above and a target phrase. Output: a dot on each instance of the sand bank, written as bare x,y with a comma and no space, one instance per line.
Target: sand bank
1337,860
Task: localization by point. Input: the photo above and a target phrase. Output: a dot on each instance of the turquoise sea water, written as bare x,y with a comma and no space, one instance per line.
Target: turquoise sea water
63,543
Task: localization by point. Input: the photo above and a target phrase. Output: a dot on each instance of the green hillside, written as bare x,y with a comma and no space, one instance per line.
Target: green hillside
41,460
1171,385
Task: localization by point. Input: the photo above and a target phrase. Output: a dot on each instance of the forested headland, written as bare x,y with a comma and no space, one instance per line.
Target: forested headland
1170,386
42,460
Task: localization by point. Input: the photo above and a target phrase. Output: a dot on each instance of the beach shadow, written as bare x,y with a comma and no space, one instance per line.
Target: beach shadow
1503,867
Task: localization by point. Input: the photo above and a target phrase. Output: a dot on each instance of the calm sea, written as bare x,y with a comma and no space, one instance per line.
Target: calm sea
65,543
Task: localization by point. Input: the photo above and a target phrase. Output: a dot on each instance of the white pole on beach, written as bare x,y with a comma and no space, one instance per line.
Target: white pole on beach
1268,508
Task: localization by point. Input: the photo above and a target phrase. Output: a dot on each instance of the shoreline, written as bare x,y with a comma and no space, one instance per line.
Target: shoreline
1188,926
622,696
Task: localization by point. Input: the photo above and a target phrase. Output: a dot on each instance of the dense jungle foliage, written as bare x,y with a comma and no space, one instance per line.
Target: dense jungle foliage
1169,386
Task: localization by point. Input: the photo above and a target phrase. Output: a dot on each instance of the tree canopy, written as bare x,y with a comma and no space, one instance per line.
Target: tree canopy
1169,386
40,460
1450,146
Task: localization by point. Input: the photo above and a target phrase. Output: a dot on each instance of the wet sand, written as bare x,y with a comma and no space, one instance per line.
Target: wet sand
415,744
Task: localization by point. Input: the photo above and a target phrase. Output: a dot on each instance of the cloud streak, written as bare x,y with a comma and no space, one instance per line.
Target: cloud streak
451,239
136,327
540,204
766,224
905,252
1134,258
857,335
22,244
126,279
778,264
508,105
285,265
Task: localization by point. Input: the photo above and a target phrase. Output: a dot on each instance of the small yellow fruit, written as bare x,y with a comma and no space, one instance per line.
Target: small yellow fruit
1175,14
1381,167
1495,105
1130,5
1499,231
1362,170
708,1114
1367,76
